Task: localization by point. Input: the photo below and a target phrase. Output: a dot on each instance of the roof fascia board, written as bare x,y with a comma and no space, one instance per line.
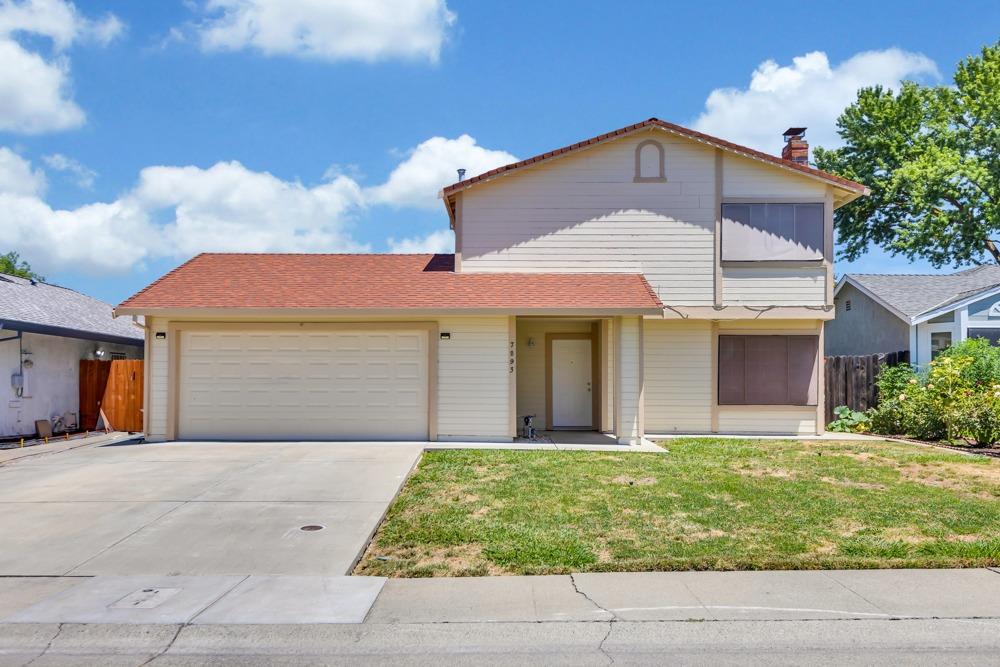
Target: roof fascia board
363,313
985,293
66,332
875,297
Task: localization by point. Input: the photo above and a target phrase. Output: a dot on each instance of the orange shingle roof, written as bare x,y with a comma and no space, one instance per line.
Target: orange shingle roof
671,127
380,282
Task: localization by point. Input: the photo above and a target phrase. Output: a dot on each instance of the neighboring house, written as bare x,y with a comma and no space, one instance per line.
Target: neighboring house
920,313
650,280
45,330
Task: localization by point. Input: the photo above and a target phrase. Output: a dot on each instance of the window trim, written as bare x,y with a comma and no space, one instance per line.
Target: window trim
639,178
815,374
784,263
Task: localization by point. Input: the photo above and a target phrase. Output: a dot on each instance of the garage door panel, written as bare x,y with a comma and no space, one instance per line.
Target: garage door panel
297,385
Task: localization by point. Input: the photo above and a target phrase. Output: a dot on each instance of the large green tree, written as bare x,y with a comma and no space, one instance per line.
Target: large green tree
13,265
931,156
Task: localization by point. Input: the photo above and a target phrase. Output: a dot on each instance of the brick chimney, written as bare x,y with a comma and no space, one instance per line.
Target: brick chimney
796,147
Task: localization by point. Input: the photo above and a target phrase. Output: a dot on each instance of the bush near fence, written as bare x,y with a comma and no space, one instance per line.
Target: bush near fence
850,380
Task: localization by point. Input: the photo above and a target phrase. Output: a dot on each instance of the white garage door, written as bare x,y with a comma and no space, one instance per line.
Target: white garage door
312,385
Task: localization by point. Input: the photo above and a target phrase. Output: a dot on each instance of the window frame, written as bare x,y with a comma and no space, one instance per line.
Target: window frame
750,201
812,386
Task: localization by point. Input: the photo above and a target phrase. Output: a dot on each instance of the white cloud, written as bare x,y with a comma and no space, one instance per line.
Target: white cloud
177,211
809,92
82,174
35,92
330,30
432,165
17,177
441,241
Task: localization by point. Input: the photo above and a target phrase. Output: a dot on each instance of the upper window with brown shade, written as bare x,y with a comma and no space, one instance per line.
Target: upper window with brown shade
768,370
772,232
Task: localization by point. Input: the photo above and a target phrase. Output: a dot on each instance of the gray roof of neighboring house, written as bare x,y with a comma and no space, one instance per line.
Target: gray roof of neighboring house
915,294
59,311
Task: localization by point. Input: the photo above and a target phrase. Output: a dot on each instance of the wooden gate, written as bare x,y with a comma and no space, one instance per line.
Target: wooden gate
114,387
850,380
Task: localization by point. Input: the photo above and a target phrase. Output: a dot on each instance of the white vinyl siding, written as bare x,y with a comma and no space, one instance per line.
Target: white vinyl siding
630,380
158,367
745,177
779,420
473,379
678,361
584,213
773,286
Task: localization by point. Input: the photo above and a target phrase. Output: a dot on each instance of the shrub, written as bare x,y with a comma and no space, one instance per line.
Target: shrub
958,397
984,369
849,421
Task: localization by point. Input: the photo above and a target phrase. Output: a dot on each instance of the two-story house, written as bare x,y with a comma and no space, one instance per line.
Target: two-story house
650,280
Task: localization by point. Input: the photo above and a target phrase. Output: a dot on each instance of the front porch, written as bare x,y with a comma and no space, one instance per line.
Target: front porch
579,379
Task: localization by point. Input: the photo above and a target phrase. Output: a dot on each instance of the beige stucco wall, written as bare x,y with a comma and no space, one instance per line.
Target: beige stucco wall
52,384
867,328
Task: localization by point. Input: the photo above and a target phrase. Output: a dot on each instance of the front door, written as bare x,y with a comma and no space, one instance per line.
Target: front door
572,397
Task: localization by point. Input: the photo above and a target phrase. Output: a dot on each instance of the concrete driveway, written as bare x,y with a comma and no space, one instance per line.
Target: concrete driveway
197,508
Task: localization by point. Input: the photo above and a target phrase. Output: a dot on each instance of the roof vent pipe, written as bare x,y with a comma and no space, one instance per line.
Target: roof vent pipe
461,174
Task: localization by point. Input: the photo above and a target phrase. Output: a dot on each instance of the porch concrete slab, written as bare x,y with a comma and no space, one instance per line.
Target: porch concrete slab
482,599
926,593
52,538
141,599
295,600
219,538
17,593
314,481
137,481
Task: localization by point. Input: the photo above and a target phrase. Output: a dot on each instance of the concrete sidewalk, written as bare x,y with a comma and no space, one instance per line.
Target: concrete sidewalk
650,596
838,617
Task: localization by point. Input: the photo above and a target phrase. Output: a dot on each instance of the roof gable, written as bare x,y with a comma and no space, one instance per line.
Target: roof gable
850,189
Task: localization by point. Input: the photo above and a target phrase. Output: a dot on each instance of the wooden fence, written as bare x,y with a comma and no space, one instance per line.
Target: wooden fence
850,381
114,388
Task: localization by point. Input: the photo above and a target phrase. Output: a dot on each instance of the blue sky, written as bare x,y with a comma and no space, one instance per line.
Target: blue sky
134,134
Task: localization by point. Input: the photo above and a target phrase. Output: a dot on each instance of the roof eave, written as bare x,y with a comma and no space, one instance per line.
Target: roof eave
249,313
68,332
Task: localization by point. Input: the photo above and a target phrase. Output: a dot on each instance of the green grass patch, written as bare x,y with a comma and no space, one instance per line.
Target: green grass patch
706,505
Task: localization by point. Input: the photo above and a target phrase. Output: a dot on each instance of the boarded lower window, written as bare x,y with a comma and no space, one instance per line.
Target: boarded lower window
774,232
768,370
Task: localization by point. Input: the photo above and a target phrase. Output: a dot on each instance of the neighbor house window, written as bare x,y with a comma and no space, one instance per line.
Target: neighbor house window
768,370
772,232
940,341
